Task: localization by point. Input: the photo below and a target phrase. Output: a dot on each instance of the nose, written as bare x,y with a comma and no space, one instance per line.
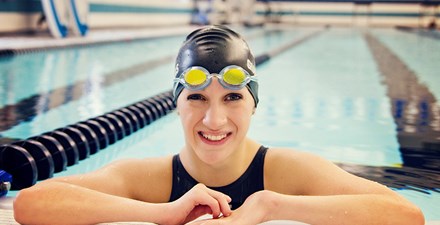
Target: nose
215,117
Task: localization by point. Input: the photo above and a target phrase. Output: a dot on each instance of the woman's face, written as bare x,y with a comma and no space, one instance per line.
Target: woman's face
215,120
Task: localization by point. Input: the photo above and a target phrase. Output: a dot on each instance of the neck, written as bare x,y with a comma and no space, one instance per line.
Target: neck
223,172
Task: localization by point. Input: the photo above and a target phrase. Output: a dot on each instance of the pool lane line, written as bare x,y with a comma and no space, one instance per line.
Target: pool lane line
34,159
413,106
26,109
399,178
406,177
83,138
261,59
433,34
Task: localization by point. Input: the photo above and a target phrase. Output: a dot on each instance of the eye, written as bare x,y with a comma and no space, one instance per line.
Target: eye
233,97
195,97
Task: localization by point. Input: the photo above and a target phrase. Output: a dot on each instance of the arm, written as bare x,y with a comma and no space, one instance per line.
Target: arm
329,210
322,193
342,209
130,190
307,188
54,202
88,198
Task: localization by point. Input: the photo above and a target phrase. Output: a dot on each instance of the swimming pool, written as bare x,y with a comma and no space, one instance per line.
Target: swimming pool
365,99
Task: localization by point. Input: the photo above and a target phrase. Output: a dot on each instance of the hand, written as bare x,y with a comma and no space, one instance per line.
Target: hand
199,201
253,211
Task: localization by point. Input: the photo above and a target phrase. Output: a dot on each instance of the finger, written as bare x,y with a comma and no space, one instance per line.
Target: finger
223,201
214,205
206,197
217,201
197,212
226,210
224,206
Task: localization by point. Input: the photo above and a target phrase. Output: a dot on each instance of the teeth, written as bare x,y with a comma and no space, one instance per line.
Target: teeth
214,137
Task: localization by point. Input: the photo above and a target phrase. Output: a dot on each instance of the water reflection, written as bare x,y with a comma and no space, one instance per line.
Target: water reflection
417,179
28,108
416,114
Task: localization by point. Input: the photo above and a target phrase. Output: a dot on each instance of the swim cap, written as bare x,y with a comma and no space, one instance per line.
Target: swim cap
214,48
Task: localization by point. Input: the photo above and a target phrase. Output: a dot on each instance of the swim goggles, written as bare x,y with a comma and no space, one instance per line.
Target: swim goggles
231,77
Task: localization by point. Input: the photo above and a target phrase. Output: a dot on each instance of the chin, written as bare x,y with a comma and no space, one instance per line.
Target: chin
213,155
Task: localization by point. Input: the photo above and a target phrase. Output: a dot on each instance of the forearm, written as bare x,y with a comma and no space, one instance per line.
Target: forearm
55,203
343,209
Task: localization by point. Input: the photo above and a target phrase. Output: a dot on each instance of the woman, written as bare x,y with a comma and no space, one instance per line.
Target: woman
219,171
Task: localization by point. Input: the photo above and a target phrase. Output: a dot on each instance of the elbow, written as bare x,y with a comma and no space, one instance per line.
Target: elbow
411,215
416,216
22,204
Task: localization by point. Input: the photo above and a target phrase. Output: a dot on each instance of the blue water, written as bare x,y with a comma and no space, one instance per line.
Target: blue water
419,53
333,105
326,96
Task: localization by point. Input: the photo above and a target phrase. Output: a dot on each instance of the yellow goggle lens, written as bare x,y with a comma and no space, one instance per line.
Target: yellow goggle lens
195,77
234,76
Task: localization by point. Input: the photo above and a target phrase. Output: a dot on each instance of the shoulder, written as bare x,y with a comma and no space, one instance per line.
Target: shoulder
136,166
296,172
286,159
148,179
141,179
282,170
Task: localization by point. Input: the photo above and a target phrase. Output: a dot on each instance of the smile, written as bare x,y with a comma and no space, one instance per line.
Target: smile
215,138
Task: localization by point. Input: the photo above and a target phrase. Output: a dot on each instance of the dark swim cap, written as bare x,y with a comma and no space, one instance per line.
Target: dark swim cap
215,47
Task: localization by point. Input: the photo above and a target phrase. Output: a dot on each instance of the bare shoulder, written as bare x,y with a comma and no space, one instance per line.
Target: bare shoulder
295,161
150,179
140,167
296,172
284,170
146,179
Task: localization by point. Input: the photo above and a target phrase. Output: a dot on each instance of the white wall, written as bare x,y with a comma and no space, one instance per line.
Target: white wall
28,21
304,13
375,14
100,20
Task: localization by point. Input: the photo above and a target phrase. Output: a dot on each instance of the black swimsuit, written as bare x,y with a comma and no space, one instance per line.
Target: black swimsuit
250,182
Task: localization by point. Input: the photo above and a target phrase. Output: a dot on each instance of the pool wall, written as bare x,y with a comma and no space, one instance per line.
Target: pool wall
26,15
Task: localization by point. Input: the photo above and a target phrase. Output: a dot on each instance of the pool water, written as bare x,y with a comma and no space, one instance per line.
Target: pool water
367,99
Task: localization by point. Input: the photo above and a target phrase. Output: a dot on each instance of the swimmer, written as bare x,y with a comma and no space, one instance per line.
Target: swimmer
219,170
